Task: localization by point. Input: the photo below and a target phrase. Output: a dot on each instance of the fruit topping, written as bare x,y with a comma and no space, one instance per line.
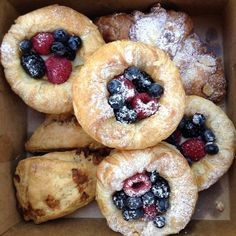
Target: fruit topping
161,190
142,82
42,43
70,54
198,119
129,214
116,101
74,42
153,176
114,86
148,199
58,69
150,212
155,90
189,129
174,138
25,46
162,205
208,136
61,35
134,202
211,148
58,48
126,115
33,65
159,221
119,199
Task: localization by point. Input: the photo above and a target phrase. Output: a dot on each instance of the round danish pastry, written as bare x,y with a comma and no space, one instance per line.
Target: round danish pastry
128,95
146,192
206,137
41,53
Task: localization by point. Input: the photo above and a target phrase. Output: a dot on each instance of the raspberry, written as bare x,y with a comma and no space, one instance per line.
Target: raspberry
58,69
137,185
193,149
144,105
42,43
149,212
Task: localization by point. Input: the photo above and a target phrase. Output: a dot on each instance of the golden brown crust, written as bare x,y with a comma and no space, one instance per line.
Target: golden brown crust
60,132
39,93
97,117
170,164
54,185
209,169
114,27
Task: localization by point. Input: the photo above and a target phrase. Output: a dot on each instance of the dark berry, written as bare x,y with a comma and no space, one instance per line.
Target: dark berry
126,115
33,65
159,221
190,130
132,72
25,46
174,138
70,54
116,101
134,202
155,90
74,42
114,86
153,176
58,48
42,42
129,214
162,205
161,189
198,119
148,198
119,199
183,122
208,136
60,35
150,212
128,89
211,148
142,83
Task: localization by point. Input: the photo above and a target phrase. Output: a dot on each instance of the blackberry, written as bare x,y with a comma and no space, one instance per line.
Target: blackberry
142,82
119,199
159,221
129,214
148,198
134,202
33,65
74,42
161,188
189,130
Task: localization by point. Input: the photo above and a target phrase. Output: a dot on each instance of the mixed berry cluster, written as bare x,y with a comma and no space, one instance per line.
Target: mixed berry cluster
133,95
199,140
145,196
59,49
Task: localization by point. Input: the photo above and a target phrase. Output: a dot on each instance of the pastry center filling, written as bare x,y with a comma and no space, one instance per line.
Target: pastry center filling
133,95
145,196
51,54
194,139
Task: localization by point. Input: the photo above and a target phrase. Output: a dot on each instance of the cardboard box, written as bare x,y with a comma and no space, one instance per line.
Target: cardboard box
13,118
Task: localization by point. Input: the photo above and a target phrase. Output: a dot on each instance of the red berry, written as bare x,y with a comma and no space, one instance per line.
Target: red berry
144,105
137,185
58,69
150,212
42,43
194,149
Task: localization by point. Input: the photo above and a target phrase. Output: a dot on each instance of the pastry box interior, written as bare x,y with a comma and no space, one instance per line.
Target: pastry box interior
215,212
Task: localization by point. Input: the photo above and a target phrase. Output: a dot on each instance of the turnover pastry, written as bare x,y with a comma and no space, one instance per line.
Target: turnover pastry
128,95
43,50
60,132
201,71
56,184
146,192
206,137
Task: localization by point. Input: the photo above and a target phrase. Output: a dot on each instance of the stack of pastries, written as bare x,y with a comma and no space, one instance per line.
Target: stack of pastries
119,125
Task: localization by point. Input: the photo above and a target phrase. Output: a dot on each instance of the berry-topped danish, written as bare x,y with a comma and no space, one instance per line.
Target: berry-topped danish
41,53
128,95
206,137
146,192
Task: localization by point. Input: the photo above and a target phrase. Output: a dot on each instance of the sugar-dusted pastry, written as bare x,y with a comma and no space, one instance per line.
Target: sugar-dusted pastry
42,52
146,192
60,132
201,72
56,184
206,137
128,95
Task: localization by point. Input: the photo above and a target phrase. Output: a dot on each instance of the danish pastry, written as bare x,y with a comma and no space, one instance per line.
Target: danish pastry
206,137
146,192
43,50
56,184
60,132
128,95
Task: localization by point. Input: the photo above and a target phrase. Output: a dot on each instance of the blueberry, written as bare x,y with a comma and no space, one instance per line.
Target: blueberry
155,90
126,115
190,130
159,221
132,72
161,188
119,199
162,205
58,48
33,65
116,101
129,214
198,119
134,202
25,46
74,42
153,176
183,122
148,198
114,86
70,54
60,35
142,83
208,136
211,148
